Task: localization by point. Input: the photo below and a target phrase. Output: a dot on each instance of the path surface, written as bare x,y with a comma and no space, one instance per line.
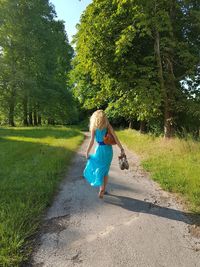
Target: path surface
137,224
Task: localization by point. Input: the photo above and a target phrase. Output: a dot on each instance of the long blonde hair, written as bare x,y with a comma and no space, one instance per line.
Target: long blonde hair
98,120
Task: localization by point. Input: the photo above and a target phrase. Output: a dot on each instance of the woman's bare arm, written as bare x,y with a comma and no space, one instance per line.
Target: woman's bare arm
90,143
115,137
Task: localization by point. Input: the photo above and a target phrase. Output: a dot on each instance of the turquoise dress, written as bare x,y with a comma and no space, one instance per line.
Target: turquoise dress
98,164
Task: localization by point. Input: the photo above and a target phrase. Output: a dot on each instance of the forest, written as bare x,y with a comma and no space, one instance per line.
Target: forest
138,60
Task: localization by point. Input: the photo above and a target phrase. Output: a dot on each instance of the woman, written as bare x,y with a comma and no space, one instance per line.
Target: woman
98,164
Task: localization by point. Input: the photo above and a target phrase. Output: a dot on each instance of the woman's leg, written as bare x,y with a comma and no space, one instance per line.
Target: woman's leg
101,191
103,187
105,182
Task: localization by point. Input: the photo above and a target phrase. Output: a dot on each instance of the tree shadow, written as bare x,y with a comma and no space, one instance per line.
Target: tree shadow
39,132
23,164
30,175
137,205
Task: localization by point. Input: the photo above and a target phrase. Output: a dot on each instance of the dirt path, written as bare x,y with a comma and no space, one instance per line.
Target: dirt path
137,224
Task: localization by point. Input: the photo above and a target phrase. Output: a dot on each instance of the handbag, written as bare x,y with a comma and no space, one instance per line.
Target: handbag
123,162
109,138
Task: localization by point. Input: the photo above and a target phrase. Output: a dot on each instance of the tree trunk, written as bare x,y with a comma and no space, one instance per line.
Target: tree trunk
171,90
51,121
12,108
11,113
168,126
30,114
142,127
30,117
167,113
25,110
35,117
39,120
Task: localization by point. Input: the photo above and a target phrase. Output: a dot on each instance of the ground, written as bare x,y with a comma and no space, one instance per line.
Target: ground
136,224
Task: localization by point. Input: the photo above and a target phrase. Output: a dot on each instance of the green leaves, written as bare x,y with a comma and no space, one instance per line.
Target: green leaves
36,61
132,55
125,40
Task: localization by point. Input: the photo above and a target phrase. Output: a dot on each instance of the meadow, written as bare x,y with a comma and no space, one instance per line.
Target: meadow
33,161
174,163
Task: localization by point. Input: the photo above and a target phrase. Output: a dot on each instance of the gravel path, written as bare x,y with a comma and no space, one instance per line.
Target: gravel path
137,224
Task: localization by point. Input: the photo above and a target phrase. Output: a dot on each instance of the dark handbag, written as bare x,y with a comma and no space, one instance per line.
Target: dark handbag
123,162
109,138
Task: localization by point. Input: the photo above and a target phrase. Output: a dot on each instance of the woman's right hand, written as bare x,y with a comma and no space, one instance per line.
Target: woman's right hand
116,139
87,155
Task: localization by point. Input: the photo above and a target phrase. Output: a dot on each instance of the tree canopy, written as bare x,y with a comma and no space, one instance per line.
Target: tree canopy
35,59
137,59
140,60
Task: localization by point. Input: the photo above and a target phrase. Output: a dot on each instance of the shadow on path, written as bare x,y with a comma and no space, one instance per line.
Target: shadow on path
137,205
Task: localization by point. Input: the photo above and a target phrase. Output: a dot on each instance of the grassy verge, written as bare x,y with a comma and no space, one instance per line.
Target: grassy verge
173,163
32,163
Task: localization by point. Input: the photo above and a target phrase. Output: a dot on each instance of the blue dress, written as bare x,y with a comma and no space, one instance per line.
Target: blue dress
98,164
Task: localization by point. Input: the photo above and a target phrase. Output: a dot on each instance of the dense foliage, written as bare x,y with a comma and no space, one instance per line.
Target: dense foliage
35,58
140,60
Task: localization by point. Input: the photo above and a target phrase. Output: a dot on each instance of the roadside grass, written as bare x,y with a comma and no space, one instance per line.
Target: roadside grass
32,163
174,163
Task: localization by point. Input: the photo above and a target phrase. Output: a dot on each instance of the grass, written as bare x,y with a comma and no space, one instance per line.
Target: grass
173,163
32,163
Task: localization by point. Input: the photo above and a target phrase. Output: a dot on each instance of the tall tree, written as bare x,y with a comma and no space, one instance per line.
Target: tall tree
132,55
36,56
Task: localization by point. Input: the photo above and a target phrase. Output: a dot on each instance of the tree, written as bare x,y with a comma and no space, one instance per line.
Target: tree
35,56
132,56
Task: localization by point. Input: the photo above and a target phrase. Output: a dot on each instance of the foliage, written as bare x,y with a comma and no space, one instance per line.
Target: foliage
35,61
132,56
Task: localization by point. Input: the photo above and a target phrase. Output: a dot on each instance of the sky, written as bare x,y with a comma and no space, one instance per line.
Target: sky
70,11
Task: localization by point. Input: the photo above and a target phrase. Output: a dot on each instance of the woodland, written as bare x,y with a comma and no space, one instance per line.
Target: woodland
136,59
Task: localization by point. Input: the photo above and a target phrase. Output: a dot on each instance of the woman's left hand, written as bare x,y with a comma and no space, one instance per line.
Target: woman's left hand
122,151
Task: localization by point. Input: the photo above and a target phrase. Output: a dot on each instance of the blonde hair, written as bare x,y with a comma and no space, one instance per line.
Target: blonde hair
98,120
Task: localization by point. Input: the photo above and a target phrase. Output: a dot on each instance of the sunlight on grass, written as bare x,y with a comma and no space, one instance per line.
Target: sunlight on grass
32,163
173,163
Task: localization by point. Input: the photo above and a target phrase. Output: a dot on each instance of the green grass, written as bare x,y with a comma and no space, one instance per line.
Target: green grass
174,163
32,163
